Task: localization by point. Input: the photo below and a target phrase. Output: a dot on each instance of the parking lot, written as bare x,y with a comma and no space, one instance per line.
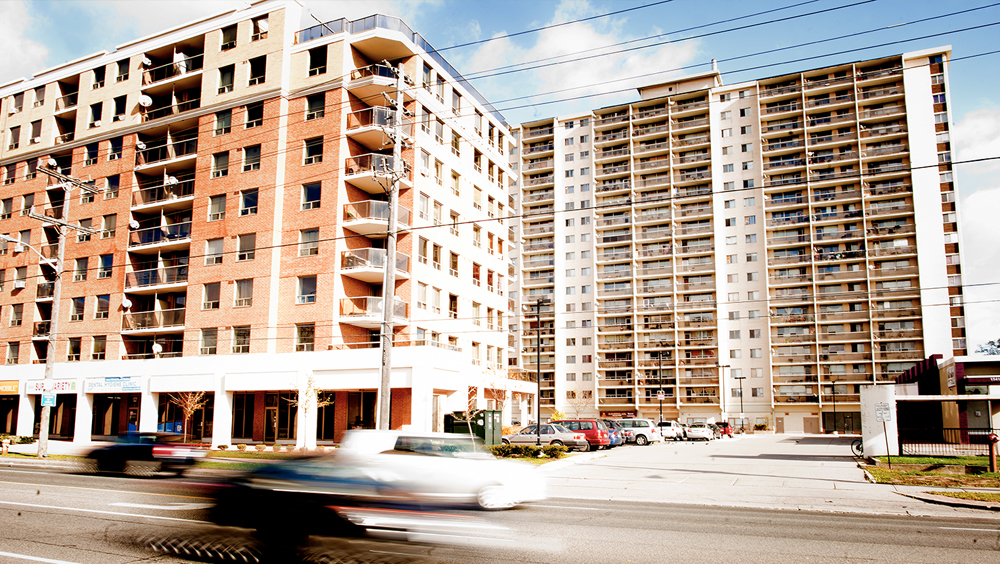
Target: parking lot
814,472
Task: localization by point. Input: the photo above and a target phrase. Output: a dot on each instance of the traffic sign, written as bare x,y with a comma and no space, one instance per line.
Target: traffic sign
882,413
660,396
48,400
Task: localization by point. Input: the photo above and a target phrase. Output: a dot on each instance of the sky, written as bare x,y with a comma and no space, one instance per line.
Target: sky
646,41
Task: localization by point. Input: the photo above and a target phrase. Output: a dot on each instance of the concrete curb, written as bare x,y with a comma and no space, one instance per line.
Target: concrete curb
952,501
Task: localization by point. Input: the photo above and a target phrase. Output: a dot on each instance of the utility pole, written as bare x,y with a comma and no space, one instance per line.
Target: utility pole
389,277
538,368
67,183
742,424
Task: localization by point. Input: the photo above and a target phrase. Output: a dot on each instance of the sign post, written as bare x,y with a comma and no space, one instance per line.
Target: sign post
882,414
48,399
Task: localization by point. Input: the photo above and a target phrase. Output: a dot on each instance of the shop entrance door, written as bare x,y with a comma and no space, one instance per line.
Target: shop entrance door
270,423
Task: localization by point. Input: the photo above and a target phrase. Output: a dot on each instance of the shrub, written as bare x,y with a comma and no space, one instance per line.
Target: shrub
500,451
554,451
260,448
760,427
241,448
223,447
525,451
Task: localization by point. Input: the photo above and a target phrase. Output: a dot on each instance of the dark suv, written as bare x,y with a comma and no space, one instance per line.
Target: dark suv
597,432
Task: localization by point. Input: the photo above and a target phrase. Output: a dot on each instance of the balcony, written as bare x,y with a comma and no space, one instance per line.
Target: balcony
537,133
163,236
372,172
538,196
783,145
41,329
174,151
171,108
179,193
896,110
369,83
368,265
539,165
779,91
366,311
153,320
371,217
611,137
611,154
538,149
156,277
654,129
180,75
812,84
782,108
370,127
66,102
682,124
539,181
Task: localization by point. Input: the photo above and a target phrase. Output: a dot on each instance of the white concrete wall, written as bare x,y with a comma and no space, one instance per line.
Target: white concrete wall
874,434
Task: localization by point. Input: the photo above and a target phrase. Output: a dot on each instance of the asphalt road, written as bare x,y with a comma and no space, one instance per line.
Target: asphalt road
69,519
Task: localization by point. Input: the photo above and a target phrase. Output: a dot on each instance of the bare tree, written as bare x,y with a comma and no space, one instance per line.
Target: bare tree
312,398
579,401
188,403
990,348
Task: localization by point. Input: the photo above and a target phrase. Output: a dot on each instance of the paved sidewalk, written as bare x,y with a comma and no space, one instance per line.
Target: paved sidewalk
805,472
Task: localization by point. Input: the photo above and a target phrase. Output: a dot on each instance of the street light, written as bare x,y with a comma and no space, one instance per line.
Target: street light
742,419
538,368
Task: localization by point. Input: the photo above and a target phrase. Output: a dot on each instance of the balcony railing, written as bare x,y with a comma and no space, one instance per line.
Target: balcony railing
371,258
374,210
163,193
66,102
371,306
370,163
161,319
170,70
156,276
172,109
167,151
159,234
380,71
377,116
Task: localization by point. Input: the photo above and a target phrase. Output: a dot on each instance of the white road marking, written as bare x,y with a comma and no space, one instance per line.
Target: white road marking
101,512
35,558
171,507
567,507
969,529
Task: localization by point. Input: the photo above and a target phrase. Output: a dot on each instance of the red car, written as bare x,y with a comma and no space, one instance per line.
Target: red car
723,429
597,432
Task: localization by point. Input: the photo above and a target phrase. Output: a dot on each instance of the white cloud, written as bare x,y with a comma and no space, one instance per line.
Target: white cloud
981,264
977,136
584,77
22,56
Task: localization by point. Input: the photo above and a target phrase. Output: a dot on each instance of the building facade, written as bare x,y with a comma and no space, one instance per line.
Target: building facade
751,252
244,165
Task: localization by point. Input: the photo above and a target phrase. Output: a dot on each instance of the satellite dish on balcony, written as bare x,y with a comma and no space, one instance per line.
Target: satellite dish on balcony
52,163
126,303
146,62
145,101
171,181
262,25
133,224
157,348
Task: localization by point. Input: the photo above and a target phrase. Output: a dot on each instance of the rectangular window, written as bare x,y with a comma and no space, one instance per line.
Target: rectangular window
99,349
746,147
213,251
209,341
247,246
305,337
13,352
226,76
105,266
306,290
746,130
109,224
311,194
73,350
244,293
241,340
251,158
747,165
309,242
315,106
258,70
223,122
16,314
255,115
313,151
78,305
217,207
220,164
80,272
317,61
212,296
228,38
248,202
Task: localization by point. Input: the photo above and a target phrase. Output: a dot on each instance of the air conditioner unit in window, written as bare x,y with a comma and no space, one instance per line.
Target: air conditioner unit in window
19,248
36,139
19,284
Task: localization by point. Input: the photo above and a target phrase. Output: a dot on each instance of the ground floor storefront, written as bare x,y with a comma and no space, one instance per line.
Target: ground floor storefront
301,399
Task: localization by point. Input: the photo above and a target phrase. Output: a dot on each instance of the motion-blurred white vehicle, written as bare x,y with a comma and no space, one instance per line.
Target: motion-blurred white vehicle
700,431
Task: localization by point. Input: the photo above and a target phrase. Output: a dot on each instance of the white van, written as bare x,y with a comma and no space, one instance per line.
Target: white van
671,430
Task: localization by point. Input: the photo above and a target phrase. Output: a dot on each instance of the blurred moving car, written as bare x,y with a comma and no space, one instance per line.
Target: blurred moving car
700,431
597,431
671,430
617,433
145,454
644,431
551,435
723,429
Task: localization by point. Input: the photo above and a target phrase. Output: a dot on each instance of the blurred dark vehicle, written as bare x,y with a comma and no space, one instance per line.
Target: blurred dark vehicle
616,433
145,454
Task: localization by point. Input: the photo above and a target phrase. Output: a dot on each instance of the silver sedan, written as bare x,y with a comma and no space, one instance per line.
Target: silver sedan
552,434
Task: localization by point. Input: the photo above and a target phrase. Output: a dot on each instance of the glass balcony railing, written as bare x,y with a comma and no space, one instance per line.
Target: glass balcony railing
162,319
371,306
156,276
159,234
371,258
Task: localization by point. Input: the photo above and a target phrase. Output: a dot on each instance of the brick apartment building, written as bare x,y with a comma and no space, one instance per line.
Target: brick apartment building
242,230
756,251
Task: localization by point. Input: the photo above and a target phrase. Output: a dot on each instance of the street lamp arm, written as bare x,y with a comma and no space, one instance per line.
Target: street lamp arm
10,239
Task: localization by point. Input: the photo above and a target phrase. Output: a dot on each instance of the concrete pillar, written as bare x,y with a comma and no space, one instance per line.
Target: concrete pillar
26,415
421,406
872,431
222,418
149,404
84,417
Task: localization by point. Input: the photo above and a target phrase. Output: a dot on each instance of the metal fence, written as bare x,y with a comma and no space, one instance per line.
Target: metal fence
944,442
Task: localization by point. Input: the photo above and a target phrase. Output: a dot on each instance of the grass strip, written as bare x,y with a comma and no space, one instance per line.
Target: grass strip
972,496
899,477
931,460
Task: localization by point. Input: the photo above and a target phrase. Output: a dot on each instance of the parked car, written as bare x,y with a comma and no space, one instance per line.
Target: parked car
671,430
145,454
644,430
597,432
617,433
551,435
700,431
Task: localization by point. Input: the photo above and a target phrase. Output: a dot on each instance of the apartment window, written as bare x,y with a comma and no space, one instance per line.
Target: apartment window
751,257
223,122
734,335
80,272
13,352
213,251
584,139
937,78
16,314
747,165
752,238
258,70
725,115
733,296
728,132
311,194
106,263
732,278
226,78
313,151
752,276
251,158
727,150
211,297
753,314
734,316
315,106
241,340
749,202
306,290
570,222
220,164
90,158
15,141
753,296
569,173
568,141
228,38
748,183
746,130
570,290
730,222
731,240
109,224
757,373
749,220
731,259
305,337
115,153
746,147
744,112
259,28
217,207
209,341
248,202
317,61
571,359
78,305
727,168
99,347
6,208
755,333
96,111
244,293
585,289
570,206
308,242
255,115
570,238
73,350
756,353
247,246
727,186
